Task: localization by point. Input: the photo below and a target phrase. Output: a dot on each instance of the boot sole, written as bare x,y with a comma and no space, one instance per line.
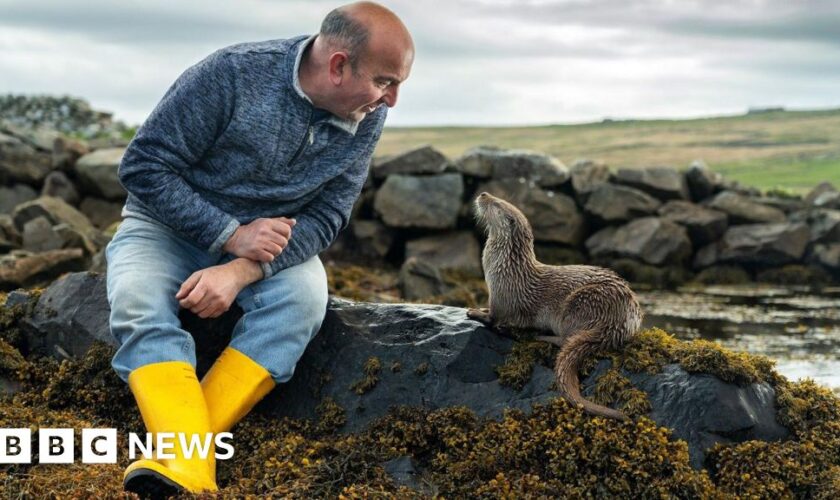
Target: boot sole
150,484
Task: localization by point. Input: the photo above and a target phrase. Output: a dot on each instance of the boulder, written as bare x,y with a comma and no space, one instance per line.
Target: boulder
57,211
663,183
429,202
97,173
827,255
613,204
22,162
830,199
554,217
823,223
429,357
372,238
9,235
58,185
39,236
704,225
763,244
418,161
652,240
419,280
541,169
456,251
819,189
101,213
587,175
743,210
10,197
66,151
24,269
702,182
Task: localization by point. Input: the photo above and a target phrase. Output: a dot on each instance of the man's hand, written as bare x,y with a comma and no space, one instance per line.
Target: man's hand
210,292
261,240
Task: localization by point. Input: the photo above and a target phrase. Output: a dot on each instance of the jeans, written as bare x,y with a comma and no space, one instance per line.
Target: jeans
148,262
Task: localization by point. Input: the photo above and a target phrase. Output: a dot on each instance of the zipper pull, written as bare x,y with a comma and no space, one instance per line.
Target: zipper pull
311,135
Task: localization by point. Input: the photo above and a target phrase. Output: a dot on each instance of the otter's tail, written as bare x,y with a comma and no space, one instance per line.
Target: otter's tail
576,349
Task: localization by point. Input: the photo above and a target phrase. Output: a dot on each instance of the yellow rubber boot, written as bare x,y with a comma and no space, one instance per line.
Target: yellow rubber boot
170,400
232,386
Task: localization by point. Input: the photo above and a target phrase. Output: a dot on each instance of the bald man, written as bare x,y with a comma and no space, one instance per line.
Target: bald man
246,169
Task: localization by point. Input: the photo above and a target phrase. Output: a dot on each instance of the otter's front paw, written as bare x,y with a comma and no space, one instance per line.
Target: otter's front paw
480,315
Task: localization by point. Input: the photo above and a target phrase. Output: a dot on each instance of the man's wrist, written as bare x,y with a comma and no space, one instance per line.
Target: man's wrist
246,270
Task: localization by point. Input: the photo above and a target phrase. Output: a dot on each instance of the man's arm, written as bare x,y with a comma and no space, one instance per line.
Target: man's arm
319,223
184,125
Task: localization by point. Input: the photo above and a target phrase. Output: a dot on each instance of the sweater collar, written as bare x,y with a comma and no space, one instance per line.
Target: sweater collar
348,126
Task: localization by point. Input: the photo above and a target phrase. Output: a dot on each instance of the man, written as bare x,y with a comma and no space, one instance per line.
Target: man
246,170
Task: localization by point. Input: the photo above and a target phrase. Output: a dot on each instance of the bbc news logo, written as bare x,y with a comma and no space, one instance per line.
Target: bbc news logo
99,446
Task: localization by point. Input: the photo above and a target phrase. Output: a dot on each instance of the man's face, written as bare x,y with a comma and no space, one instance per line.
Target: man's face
374,82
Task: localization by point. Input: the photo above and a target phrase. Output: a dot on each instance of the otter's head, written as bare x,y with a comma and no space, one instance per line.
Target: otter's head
501,218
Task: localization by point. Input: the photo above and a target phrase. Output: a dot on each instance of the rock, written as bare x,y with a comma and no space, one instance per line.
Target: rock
823,223
101,213
39,236
828,200
22,162
650,239
827,255
663,183
587,175
58,185
66,151
420,280
429,202
422,160
786,205
610,203
97,173
704,225
743,210
10,197
704,410
819,189
403,471
24,269
706,256
372,238
445,360
9,235
554,217
541,169
763,244
457,251
57,211
702,182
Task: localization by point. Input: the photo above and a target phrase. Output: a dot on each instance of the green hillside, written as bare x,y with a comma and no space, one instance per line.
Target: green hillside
781,149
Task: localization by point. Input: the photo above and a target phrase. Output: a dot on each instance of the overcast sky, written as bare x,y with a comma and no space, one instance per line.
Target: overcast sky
487,62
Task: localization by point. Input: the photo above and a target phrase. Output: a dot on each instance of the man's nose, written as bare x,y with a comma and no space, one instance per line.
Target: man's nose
390,96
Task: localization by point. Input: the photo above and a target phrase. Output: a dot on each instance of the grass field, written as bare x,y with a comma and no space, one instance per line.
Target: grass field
792,150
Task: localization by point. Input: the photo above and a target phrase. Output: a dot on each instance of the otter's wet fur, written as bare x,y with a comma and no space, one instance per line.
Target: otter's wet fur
588,308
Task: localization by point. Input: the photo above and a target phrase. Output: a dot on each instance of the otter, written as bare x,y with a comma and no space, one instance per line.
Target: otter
587,308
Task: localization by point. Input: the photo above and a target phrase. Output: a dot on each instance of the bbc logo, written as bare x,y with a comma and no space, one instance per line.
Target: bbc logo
56,446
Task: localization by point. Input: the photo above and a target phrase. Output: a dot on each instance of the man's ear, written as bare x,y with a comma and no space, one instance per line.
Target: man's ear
339,62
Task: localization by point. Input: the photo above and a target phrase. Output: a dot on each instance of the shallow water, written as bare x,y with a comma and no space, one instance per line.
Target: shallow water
799,328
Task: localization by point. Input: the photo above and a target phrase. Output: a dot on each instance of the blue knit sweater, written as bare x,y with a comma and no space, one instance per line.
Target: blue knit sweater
233,140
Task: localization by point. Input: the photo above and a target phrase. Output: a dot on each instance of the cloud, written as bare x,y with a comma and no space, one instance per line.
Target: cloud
478,61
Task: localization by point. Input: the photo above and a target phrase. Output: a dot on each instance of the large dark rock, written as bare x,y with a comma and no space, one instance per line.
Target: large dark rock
429,356
12,196
702,182
823,223
422,160
21,161
431,201
704,225
611,204
554,217
650,239
704,410
743,210
587,175
97,173
663,183
457,251
57,184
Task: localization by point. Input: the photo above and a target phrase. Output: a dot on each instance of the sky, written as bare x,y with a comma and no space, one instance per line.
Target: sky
478,62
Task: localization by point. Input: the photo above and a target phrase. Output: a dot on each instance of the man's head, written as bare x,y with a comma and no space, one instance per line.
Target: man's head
359,59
